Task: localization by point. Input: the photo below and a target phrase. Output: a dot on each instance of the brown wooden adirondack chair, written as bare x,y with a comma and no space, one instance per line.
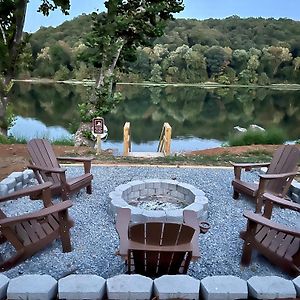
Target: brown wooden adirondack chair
156,248
277,180
46,168
29,233
278,243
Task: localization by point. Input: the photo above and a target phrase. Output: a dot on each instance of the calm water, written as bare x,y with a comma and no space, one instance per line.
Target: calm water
200,118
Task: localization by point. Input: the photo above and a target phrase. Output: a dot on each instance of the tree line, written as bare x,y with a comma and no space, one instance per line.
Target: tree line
233,50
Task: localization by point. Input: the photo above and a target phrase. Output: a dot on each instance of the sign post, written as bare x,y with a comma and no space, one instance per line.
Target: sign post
98,129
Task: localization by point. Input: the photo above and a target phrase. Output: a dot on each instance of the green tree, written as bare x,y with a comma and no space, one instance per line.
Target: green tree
82,72
217,59
296,63
114,39
12,18
156,74
195,65
63,73
273,57
61,55
239,60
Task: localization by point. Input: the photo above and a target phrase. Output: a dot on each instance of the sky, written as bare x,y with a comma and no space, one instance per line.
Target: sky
194,9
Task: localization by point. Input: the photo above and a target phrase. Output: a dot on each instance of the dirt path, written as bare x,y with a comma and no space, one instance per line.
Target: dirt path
15,157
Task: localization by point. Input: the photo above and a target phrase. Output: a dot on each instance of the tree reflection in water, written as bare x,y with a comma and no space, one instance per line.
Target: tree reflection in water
199,117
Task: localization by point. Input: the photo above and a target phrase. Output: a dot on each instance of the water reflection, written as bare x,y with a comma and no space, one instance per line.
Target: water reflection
200,118
28,128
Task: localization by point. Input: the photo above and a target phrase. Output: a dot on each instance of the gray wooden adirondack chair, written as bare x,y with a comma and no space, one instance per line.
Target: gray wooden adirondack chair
46,168
277,180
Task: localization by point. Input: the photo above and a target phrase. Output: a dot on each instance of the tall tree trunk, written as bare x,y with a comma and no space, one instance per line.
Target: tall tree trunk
3,123
13,48
104,85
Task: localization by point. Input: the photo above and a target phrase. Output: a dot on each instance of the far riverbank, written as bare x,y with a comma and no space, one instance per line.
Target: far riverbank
207,85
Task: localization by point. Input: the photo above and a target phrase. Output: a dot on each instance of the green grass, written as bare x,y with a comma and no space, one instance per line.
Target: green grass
63,142
11,140
181,160
22,140
273,136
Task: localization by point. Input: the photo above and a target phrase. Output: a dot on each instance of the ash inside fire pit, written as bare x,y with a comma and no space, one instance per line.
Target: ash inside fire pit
158,202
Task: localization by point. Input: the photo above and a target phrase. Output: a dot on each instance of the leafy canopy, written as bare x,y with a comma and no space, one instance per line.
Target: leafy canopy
12,17
129,23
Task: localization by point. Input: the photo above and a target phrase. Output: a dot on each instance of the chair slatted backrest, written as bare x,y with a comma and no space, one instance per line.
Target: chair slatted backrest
162,251
42,155
285,160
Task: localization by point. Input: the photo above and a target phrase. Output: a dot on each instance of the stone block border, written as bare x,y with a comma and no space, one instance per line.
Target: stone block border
124,286
294,191
124,193
16,181
137,287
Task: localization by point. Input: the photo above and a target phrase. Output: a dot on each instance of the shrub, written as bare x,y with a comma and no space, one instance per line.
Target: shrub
272,136
11,140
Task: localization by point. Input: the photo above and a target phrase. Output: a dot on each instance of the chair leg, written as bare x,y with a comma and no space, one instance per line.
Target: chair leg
65,231
13,261
259,205
65,195
235,194
89,189
247,254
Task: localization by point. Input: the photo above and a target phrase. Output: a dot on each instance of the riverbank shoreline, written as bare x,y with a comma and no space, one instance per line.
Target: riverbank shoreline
14,157
206,85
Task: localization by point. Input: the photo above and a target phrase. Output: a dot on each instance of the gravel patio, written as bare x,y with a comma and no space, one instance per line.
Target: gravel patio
95,241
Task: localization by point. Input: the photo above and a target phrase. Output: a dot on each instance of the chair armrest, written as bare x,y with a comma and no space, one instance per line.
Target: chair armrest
77,159
259,219
32,190
277,176
122,223
36,215
281,201
87,162
47,170
190,218
249,165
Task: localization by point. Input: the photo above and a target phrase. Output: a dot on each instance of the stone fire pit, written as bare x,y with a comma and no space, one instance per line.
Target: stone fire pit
159,200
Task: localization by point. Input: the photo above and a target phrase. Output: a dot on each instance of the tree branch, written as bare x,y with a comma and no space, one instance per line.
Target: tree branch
3,35
20,13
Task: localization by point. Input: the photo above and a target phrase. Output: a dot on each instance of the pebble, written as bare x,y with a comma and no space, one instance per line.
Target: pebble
95,240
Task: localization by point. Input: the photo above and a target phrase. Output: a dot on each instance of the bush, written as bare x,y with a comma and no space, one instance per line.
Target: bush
11,140
273,136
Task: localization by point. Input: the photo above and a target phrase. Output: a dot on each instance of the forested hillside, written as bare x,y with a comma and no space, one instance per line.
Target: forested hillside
233,50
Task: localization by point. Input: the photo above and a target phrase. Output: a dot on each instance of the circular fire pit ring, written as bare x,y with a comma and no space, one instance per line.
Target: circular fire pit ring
159,200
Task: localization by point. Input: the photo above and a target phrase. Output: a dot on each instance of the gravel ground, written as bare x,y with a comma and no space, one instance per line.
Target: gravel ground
95,240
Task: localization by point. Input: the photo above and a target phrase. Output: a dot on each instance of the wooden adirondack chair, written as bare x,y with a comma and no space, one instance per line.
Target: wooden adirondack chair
46,168
278,243
29,233
157,248
277,180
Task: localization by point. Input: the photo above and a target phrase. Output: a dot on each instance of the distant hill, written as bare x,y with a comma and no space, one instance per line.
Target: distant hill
231,50
70,32
232,32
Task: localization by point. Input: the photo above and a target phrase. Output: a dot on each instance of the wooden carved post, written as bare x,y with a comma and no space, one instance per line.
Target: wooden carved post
168,133
126,139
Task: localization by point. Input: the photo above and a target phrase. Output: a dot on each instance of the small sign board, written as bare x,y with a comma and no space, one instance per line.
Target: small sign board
98,125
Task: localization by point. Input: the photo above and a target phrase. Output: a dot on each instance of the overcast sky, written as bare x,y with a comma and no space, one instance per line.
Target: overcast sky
197,9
